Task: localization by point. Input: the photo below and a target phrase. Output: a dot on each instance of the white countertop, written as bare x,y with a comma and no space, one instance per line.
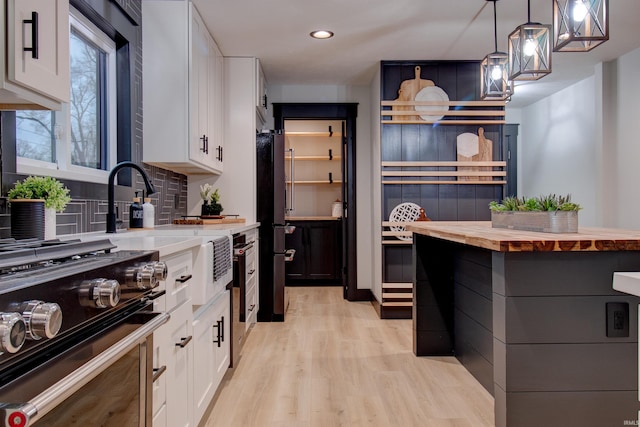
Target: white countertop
165,245
166,239
627,282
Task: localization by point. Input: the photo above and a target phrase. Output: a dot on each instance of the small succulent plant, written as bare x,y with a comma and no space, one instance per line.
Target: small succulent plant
549,202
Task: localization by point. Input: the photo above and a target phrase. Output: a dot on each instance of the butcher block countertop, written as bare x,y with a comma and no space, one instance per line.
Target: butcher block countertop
481,234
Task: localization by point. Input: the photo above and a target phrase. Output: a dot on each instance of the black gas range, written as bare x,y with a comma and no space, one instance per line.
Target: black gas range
58,299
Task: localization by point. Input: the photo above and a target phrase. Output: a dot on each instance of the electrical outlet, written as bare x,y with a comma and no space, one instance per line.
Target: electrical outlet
617,319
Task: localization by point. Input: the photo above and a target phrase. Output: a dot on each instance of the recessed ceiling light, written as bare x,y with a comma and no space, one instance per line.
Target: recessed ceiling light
321,34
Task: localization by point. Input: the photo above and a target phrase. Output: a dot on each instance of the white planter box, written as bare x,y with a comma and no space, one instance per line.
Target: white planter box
547,222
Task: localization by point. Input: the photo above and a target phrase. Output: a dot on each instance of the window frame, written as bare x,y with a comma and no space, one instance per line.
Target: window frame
63,168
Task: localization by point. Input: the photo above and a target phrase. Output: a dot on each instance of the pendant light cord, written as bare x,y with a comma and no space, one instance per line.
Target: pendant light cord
495,27
528,11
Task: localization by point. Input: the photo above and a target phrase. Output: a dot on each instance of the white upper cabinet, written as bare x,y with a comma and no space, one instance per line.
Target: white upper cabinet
261,94
182,90
35,58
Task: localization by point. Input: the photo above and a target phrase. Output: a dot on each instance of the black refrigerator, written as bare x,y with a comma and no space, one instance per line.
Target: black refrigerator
271,206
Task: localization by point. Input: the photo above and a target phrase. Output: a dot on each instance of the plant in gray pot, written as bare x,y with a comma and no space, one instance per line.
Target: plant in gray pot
549,214
34,203
210,201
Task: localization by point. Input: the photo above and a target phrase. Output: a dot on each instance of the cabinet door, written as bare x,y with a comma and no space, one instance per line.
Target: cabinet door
179,374
200,139
261,93
222,351
159,386
204,333
211,356
46,69
323,250
216,106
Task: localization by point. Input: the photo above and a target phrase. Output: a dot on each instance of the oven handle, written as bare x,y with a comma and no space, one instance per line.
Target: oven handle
43,403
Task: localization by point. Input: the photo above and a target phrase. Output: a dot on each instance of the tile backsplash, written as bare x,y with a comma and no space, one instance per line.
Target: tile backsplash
81,216
85,214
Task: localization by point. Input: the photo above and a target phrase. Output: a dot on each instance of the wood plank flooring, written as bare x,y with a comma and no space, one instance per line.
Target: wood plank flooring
335,363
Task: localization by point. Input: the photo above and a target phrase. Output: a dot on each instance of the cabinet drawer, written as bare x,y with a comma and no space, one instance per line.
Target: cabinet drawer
251,308
179,278
250,270
159,385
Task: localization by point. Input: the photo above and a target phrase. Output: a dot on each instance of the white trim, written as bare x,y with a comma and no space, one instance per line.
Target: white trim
64,169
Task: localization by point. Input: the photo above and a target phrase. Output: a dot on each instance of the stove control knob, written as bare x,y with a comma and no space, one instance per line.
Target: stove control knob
141,277
147,277
100,293
160,268
43,319
13,332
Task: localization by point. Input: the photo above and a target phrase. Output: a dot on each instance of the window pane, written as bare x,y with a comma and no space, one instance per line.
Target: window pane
35,135
87,77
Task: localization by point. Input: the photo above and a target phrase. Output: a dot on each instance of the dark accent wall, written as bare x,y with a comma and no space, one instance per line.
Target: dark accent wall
426,142
122,20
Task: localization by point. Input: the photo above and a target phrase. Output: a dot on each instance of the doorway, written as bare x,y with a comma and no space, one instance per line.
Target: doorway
325,151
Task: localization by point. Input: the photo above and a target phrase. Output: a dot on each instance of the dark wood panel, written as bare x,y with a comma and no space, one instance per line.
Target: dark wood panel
571,367
472,356
576,319
560,409
474,305
564,273
318,257
471,334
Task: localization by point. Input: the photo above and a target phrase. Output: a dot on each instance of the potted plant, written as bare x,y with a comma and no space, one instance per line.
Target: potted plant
210,201
34,203
551,214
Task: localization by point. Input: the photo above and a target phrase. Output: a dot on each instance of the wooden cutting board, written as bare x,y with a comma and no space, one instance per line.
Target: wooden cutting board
407,92
482,153
200,221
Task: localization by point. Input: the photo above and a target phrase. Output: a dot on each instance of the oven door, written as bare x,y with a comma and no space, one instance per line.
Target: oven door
103,380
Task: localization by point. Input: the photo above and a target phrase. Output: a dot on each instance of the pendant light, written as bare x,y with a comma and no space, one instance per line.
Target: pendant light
530,50
580,25
494,70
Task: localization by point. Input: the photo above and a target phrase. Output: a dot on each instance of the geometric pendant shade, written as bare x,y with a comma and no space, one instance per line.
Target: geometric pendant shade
494,77
494,70
530,50
580,25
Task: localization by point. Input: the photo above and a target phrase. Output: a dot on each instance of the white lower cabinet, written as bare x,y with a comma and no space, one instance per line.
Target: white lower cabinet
180,355
211,332
173,350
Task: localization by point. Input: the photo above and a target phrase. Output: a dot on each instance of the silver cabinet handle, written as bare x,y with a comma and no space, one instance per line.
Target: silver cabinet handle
184,341
292,173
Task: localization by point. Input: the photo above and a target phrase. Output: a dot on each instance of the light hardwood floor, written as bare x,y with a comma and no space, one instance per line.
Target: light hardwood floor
335,363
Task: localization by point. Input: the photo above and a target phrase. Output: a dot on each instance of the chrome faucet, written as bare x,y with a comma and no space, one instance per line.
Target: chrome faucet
111,214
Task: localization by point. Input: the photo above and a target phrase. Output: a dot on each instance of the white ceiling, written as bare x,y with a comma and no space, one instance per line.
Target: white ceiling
368,31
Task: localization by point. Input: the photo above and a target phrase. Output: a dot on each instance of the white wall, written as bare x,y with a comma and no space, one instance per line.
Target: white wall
364,144
375,252
583,140
558,147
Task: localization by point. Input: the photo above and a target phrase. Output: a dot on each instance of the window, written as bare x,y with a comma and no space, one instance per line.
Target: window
78,142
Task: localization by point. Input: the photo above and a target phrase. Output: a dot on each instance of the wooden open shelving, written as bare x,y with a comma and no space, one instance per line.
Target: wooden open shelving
481,173
482,113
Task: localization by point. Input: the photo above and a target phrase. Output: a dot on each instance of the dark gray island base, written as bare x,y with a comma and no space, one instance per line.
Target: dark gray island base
534,317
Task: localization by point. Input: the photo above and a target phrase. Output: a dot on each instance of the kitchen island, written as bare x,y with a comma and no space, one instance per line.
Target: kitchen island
534,317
